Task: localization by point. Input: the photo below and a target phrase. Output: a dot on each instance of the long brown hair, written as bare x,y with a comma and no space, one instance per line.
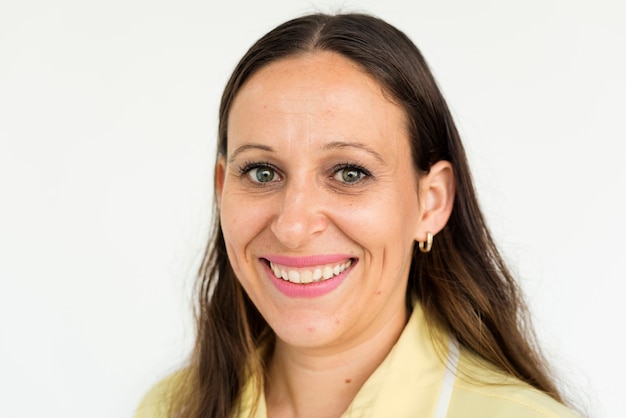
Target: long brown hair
462,284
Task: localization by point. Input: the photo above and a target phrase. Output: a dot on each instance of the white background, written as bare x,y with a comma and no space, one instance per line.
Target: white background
108,117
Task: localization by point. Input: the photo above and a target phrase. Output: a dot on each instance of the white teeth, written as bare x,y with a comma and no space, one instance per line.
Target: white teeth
294,276
327,273
309,276
306,276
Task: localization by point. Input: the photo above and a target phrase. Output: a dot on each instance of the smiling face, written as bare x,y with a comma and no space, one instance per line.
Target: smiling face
319,201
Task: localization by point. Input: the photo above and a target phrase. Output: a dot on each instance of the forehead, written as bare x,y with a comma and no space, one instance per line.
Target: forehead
323,88
309,75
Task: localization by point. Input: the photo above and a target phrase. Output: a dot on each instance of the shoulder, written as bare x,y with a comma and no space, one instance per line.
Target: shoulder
157,401
482,391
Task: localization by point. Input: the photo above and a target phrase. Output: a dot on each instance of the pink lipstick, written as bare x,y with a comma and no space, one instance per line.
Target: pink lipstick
309,276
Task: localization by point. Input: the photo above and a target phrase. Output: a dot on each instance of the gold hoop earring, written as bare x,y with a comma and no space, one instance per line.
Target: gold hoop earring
425,247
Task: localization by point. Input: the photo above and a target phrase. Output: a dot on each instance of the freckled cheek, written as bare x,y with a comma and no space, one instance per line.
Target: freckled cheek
383,230
366,223
235,233
242,221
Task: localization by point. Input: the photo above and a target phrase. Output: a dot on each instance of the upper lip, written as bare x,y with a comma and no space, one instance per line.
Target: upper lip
308,260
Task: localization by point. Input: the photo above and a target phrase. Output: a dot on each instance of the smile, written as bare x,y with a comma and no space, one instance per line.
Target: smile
309,274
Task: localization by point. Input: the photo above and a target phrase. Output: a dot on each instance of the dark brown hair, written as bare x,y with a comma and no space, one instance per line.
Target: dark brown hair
462,284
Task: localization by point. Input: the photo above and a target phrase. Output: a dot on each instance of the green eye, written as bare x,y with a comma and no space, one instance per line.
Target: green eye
262,174
350,175
259,173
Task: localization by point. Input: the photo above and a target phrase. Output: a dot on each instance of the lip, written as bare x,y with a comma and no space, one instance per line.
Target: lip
307,261
308,290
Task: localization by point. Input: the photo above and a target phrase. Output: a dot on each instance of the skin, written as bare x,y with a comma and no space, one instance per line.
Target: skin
336,156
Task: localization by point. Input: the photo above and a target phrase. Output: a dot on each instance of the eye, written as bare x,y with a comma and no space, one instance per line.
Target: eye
259,173
350,173
262,174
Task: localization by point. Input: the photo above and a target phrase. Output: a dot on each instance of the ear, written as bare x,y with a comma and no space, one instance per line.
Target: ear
220,174
436,193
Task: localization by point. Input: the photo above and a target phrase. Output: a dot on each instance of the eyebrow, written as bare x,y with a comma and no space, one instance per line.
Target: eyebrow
246,147
357,145
329,146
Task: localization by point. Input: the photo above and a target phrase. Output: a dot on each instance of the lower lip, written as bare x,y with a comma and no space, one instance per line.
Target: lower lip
307,290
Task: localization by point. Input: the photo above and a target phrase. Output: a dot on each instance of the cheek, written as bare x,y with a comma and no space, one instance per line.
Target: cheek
386,216
233,221
371,225
241,220
236,239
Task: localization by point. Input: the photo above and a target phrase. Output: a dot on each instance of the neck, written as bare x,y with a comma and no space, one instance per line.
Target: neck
309,382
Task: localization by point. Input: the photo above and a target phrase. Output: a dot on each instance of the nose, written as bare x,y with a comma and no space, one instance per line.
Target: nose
300,215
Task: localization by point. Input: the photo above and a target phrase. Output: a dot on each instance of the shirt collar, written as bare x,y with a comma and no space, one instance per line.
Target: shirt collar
406,384
408,381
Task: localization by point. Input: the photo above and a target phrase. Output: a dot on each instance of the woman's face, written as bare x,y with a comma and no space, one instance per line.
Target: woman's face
319,201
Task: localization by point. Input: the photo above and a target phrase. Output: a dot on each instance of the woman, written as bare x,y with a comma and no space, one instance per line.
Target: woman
350,272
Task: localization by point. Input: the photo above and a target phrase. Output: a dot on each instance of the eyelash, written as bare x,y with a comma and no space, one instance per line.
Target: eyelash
365,173
248,166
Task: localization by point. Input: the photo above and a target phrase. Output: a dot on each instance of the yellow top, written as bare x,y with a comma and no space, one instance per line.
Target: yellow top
410,383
